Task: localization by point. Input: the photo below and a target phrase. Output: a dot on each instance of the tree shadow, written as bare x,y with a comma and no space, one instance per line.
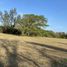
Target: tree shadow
1,64
56,64
55,61
13,57
62,43
48,46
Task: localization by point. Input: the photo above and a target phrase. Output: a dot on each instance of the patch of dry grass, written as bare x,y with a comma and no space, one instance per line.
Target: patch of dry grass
23,51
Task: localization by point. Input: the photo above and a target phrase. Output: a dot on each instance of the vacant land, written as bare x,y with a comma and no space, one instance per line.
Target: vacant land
22,51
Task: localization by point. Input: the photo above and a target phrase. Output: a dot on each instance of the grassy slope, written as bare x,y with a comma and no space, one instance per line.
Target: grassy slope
31,51
57,42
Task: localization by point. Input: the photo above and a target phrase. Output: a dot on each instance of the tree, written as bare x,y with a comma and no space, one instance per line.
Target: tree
4,18
8,18
31,23
12,17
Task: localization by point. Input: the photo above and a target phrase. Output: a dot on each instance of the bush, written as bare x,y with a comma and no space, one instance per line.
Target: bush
11,30
1,28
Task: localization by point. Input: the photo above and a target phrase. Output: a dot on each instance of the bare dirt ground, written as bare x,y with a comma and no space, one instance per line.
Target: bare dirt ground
22,51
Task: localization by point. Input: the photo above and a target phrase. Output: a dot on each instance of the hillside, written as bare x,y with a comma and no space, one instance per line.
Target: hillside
23,51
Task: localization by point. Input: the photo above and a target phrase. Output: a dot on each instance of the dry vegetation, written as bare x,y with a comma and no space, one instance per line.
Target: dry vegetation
22,51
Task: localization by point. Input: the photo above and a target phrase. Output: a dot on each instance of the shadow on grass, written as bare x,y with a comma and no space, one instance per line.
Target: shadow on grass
62,43
48,46
56,64
54,61
1,64
13,57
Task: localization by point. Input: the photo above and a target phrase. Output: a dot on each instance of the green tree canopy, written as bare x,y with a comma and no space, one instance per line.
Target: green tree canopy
28,23
32,22
8,18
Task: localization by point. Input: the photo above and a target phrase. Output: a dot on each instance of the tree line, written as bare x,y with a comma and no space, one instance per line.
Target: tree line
27,24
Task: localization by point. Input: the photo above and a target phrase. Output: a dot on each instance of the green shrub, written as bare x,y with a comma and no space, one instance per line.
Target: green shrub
11,30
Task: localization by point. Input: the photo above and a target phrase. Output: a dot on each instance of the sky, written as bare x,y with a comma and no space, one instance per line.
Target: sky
54,10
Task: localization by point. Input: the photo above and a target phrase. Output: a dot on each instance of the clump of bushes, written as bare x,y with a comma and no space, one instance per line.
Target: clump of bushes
39,32
11,30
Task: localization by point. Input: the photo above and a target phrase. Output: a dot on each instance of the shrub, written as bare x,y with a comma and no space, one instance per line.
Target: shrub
11,30
1,29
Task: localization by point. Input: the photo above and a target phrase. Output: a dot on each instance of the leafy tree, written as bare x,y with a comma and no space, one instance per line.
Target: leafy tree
4,18
31,23
12,16
8,18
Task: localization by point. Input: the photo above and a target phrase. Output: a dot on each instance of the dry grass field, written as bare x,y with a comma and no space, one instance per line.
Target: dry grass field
23,51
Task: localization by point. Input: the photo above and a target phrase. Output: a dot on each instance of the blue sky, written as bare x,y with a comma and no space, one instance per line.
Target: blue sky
54,10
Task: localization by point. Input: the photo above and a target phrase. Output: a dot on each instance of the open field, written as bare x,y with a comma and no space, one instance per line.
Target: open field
22,51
